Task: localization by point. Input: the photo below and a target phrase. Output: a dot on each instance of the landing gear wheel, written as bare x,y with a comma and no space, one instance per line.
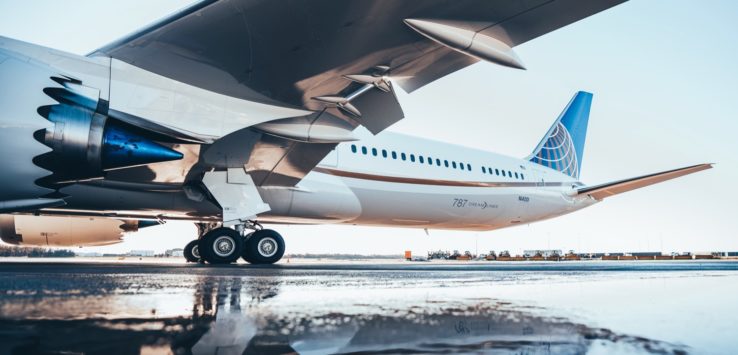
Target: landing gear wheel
263,247
191,252
220,246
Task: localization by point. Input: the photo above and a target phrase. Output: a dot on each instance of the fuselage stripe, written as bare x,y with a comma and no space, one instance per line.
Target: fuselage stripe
433,182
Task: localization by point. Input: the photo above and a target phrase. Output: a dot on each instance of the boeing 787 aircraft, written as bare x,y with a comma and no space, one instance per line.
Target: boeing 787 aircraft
237,113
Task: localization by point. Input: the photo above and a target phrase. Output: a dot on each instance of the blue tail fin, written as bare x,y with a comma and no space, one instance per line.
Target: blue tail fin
563,146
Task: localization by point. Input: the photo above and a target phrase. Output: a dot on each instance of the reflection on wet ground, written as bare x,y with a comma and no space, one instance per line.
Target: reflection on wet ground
149,309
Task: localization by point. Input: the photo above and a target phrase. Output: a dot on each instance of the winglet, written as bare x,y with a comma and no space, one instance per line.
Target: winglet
600,192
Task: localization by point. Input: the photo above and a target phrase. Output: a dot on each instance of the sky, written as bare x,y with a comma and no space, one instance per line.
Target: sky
665,84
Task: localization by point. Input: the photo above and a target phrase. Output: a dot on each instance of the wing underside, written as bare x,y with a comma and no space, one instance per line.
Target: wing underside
288,52
304,54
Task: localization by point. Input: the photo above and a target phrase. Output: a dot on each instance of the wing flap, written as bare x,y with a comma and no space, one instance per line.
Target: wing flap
276,161
602,191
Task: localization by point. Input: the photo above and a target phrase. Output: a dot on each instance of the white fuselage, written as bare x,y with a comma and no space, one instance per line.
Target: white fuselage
357,184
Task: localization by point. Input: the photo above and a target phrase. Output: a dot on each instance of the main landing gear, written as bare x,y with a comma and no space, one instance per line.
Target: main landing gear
222,245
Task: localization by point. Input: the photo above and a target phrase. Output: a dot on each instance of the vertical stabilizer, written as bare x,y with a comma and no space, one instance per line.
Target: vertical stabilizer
562,148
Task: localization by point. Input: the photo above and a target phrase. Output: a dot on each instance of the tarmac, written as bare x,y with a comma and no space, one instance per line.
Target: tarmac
308,307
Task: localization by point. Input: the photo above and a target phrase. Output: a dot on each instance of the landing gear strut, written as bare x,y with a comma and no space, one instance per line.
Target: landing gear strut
222,245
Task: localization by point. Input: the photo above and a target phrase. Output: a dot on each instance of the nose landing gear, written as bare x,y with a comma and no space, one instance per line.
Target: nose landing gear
221,245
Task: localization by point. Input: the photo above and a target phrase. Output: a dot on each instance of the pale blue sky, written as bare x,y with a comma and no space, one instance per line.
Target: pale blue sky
665,81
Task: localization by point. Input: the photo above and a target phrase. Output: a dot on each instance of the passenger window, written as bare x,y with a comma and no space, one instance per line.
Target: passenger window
516,175
394,155
490,170
438,162
404,157
420,157
353,148
522,177
374,152
484,170
412,158
384,153
503,173
453,163
509,174
468,166
497,172
461,166
363,150
445,162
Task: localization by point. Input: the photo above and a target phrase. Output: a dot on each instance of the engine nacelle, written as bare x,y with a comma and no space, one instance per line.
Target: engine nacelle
63,231
58,130
85,142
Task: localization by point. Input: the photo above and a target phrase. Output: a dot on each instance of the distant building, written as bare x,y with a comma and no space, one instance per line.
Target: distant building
177,252
646,253
141,253
89,254
591,255
544,253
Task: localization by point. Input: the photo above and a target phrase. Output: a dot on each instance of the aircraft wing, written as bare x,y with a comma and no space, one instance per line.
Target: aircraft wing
289,51
298,53
600,192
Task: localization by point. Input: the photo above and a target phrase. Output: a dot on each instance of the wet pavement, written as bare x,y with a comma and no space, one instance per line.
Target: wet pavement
405,308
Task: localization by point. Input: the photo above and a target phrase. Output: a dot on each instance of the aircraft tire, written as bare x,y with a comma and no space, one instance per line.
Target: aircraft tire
191,252
221,246
264,246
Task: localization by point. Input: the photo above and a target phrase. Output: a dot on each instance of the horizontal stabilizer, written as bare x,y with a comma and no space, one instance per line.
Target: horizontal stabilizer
602,191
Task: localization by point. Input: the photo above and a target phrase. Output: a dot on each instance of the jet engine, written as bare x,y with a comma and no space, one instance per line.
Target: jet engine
86,142
65,231
58,130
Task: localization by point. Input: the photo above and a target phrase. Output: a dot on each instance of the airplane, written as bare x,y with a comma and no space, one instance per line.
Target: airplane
235,113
